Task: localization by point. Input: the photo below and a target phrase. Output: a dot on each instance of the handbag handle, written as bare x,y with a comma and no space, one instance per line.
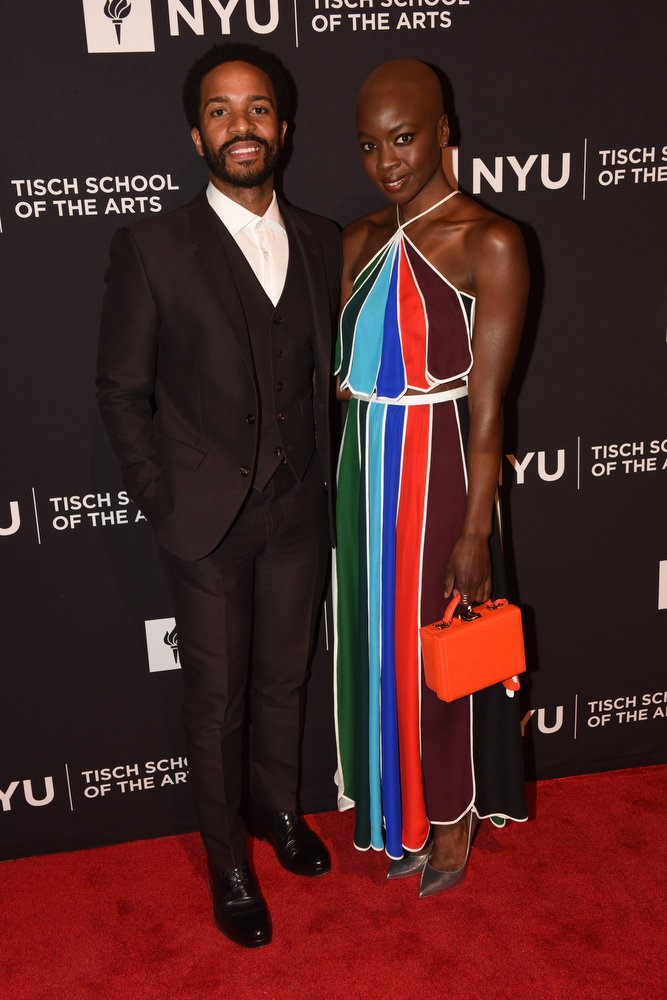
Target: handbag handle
466,616
449,613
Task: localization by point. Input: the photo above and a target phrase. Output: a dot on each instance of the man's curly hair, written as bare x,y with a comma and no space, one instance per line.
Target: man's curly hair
234,52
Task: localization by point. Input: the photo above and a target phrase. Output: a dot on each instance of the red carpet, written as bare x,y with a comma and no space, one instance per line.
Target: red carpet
570,905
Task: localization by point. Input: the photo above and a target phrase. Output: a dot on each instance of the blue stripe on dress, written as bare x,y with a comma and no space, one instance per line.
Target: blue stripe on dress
350,314
376,414
391,782
369,333
391,380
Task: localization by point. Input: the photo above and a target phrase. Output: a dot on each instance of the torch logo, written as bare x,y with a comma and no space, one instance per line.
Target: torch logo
162,644
119,25
171,640
117,10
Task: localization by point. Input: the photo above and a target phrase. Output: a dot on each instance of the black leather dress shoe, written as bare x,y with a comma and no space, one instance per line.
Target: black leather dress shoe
297,848
238,908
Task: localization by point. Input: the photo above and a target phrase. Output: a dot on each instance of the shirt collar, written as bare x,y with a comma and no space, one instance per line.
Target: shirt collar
236,218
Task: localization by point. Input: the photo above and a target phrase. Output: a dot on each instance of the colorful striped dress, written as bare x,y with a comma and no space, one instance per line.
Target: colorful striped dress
405,758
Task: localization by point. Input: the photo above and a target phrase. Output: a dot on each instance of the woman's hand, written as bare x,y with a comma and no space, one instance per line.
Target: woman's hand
344,395
469,570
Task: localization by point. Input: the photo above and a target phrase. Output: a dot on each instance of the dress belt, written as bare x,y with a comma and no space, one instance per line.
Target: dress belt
440,396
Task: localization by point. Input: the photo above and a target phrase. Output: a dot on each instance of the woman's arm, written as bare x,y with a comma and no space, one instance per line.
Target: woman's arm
499,275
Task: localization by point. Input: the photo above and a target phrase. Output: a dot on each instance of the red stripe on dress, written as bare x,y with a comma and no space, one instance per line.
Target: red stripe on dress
409,530
412,324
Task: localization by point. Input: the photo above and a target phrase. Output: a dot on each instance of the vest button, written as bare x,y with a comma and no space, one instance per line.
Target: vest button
277,319
244,471
278,353
279,386
250,419
280,417
277,451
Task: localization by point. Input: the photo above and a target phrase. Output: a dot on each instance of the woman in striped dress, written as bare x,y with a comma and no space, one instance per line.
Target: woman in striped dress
434,288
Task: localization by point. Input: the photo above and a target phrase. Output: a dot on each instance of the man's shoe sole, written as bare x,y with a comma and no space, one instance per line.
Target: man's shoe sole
243,942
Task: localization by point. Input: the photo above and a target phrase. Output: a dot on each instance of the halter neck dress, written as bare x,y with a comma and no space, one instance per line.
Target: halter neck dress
405,758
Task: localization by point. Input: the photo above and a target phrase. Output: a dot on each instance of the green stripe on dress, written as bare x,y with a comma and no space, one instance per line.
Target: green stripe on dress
347,575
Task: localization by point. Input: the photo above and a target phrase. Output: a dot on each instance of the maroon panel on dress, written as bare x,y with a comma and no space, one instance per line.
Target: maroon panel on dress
446,761
448,345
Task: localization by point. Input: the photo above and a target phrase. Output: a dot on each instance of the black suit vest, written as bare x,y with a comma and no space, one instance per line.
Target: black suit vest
281,342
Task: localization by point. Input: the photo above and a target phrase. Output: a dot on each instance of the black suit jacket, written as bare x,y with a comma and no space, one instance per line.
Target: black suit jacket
176,381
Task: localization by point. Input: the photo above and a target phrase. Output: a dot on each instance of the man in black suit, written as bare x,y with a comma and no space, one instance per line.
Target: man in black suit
213,383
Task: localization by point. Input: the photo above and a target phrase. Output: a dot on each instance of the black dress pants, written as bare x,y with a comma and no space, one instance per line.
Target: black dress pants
245,616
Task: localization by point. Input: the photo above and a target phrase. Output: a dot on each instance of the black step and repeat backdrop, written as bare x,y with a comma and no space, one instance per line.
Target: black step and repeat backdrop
560,124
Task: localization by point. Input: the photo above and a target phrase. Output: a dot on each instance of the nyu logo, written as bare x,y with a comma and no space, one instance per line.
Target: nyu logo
194,17
119,25
14,519
171,640
520,466
552,726
117,10
162,644
662,585
497,179
127,25
28,793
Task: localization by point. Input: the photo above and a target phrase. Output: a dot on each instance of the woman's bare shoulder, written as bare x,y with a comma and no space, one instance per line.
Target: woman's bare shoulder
493,250
486,229
365,236
370,227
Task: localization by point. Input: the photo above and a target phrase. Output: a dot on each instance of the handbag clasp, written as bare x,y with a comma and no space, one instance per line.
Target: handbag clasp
468,615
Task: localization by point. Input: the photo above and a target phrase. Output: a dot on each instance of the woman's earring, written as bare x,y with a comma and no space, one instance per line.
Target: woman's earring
444,144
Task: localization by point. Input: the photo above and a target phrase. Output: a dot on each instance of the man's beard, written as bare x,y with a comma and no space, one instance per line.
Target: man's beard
245,176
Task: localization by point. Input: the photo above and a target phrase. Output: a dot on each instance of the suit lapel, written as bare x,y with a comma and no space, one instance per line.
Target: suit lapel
211,258
318,289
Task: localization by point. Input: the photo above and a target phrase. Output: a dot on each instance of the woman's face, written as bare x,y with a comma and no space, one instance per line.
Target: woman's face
401,141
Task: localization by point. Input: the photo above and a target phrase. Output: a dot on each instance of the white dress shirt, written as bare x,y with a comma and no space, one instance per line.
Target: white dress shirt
262,239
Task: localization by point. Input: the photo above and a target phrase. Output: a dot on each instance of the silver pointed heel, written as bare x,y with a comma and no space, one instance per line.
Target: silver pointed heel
410,864
433,881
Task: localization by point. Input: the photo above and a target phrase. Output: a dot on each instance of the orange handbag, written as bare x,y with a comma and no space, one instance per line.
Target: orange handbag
478,648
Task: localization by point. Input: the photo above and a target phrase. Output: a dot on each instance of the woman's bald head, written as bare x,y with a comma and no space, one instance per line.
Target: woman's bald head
407,83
